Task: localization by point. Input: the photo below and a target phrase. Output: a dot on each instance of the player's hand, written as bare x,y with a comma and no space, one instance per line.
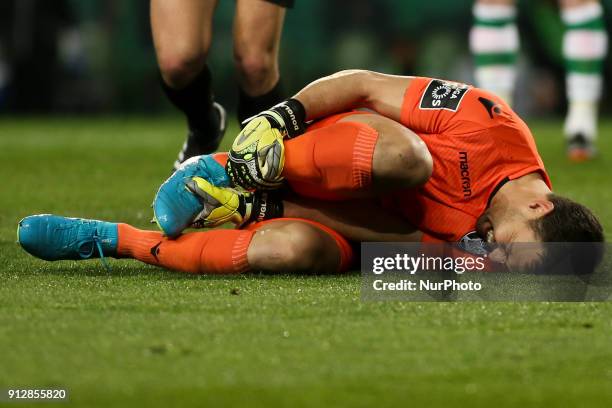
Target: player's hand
257,156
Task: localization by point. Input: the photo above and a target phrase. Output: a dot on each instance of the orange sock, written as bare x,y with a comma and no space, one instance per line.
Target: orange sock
215,252
337,157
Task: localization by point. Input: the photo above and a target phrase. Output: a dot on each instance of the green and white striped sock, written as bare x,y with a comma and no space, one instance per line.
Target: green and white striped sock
585,45
494,42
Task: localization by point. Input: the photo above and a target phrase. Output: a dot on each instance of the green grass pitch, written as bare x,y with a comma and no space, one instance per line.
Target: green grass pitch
148,337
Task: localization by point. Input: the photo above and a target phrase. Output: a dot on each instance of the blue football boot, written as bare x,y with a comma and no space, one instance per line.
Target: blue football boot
51,237
175,206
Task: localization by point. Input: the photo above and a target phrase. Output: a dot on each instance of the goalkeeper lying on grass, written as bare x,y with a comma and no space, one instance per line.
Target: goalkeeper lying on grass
431,161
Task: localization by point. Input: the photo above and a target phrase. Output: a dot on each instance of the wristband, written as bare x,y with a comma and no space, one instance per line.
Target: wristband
294,115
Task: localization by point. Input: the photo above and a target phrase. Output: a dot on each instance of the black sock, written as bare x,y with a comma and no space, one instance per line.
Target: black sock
252,105
196,101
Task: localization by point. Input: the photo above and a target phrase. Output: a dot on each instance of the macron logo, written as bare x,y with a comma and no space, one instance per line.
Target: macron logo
464,169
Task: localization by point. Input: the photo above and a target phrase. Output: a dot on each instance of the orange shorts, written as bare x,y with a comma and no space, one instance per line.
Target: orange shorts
344,247
221,157
317,191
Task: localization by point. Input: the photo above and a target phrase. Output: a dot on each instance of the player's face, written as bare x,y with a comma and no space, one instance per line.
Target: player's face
508,230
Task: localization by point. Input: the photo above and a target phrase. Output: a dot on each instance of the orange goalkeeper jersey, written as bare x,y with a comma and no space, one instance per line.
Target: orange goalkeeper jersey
477,143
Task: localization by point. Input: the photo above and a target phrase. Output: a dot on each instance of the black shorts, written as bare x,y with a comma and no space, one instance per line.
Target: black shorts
282,3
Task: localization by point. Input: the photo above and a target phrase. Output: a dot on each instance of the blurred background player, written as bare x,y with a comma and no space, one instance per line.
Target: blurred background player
182,34
494,41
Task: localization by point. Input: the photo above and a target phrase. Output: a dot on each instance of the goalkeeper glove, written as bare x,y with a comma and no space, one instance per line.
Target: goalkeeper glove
219,205
257,156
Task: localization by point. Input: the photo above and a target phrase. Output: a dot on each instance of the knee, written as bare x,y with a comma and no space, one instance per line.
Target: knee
178,67
403,161
293,248
255,65
417,161
303,249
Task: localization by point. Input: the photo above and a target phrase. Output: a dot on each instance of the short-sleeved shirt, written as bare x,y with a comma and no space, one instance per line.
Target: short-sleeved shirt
477,143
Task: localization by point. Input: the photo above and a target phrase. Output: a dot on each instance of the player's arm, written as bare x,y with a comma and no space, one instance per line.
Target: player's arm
350,89
416,102
256,158
340,92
